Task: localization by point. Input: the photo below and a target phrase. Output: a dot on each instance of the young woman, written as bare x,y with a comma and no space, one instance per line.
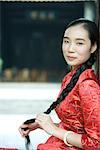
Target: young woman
78,103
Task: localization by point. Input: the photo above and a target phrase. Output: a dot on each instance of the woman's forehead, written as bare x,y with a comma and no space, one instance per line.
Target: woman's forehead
76,31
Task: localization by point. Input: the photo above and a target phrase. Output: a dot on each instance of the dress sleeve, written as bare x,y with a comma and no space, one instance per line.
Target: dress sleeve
89,92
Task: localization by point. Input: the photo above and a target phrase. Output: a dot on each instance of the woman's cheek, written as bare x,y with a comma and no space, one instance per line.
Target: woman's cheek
83,51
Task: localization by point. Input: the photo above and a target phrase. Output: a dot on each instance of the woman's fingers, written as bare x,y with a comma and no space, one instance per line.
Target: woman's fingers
41,119
24,130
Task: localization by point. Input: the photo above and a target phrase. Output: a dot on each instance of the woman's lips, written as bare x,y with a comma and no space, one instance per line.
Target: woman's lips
71,58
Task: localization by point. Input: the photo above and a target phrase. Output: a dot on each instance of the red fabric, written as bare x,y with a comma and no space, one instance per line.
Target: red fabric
79,112
8,149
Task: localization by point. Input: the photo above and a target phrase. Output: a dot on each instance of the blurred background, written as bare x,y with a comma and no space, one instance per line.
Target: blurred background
31,61
31,37
30,50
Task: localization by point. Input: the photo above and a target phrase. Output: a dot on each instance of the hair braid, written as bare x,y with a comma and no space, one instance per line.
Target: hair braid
72,83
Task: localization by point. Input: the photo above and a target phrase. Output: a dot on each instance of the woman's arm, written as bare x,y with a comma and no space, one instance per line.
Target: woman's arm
46,123
73,139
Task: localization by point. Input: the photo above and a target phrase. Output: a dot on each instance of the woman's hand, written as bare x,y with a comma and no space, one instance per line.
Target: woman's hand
42,121
29,127
45,122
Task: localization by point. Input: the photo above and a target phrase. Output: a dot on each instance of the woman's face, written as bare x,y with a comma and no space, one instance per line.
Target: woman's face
76,45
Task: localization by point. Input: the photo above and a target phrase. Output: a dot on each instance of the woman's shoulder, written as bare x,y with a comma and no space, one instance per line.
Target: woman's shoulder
88,75
88,81
88,86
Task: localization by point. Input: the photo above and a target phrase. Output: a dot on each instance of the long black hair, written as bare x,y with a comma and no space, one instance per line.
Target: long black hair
92,30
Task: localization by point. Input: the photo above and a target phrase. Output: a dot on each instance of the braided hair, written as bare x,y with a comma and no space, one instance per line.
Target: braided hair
93,36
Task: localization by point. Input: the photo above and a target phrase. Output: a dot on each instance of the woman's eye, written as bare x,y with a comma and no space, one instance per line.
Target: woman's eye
66,41
79,43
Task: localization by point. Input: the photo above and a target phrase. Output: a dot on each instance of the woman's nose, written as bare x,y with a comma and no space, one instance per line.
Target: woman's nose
71,48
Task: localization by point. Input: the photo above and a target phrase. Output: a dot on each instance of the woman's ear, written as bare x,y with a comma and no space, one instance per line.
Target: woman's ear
94,47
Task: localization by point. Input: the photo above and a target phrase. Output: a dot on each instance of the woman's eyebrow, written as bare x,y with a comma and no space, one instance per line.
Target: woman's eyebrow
80,39
65,37
77,39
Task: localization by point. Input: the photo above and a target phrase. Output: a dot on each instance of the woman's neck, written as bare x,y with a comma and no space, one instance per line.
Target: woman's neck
73,67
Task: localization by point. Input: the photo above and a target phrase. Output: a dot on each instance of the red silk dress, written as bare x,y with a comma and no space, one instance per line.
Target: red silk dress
79,112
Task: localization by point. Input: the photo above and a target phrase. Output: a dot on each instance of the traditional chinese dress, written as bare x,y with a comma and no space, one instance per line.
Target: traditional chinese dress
79,112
